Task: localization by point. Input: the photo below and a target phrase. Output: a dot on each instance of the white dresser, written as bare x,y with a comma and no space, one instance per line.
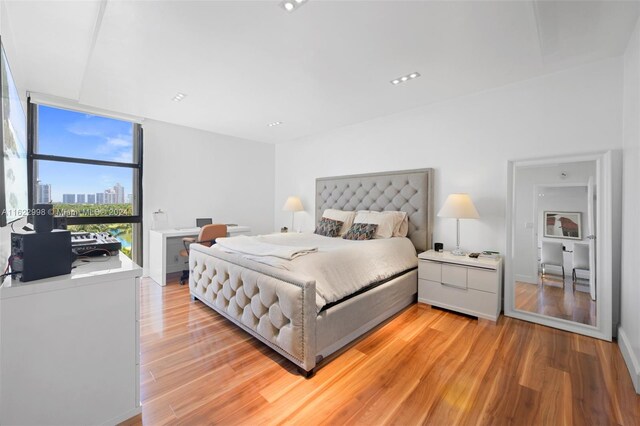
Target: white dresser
69,346
460,283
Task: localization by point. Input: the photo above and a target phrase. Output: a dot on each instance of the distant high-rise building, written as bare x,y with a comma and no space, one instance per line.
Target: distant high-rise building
91,198
81,198
69,198
118,191
43,194
110,196
100,198
130,199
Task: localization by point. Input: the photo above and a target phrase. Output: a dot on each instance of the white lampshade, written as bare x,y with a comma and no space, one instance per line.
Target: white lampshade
459,206
293,204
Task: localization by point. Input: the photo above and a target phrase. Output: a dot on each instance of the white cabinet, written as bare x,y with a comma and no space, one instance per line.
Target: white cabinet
69,346
460,283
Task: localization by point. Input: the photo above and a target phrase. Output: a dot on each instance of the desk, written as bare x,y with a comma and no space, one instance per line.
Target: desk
165,246
70,346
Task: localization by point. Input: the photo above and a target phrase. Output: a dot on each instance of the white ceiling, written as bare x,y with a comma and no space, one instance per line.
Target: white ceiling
245,64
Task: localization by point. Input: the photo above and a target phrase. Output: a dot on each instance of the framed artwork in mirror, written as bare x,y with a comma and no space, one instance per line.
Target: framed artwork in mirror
567,225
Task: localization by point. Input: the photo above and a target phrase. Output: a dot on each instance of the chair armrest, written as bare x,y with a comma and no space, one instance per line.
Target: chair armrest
213,241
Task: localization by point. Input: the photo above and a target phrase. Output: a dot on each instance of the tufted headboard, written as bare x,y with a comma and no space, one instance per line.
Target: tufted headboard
410,191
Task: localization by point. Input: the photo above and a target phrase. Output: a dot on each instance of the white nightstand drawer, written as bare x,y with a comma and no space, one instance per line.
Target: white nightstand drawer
485,280
455,276
468,301
429,270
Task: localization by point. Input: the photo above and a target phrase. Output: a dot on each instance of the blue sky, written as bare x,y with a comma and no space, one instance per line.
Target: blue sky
74,134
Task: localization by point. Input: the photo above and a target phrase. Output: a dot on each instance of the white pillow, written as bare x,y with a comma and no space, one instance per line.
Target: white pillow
386,222
402,224
342,216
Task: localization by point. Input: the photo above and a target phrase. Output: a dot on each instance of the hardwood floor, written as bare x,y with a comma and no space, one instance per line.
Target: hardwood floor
558,301
423,366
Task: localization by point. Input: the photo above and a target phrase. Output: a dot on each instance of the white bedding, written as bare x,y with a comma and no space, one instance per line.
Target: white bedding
340,267
259,247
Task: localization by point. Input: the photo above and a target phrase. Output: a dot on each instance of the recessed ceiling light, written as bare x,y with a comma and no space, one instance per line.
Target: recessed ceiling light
179,96
275,123
405,78
291,5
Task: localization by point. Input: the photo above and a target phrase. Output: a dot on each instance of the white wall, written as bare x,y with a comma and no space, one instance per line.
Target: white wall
191,173
629,332
468,141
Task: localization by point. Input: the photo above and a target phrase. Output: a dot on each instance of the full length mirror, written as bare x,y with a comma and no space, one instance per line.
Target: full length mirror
554,252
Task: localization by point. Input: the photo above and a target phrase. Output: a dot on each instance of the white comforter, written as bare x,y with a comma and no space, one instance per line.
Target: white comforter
340,267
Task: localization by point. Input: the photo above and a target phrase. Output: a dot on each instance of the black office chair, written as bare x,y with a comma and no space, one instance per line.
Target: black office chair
207,237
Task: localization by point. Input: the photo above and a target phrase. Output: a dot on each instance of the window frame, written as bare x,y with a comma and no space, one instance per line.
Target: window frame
136,165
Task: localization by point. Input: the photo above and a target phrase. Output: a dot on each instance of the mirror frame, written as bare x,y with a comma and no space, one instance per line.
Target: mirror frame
604,246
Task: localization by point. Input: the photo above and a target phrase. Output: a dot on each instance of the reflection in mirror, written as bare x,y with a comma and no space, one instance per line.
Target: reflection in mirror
554,240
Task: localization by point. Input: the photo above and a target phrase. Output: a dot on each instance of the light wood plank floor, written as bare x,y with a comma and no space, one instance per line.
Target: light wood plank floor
423,366
558,301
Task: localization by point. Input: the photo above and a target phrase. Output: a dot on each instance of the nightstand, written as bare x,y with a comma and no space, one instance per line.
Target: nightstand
460,283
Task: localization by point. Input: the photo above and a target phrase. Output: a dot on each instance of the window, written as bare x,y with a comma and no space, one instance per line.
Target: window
90,168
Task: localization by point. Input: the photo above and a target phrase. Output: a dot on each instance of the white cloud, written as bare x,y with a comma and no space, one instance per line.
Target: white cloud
119,141
123,157
117,147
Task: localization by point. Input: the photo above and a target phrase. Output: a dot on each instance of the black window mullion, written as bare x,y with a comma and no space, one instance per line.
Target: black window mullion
31,144
48,157
91,220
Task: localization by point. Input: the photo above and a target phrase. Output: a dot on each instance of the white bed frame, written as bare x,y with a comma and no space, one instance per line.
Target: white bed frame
279,307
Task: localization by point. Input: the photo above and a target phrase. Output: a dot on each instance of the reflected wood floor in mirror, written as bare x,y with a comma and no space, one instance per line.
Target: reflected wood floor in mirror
425,365
553,300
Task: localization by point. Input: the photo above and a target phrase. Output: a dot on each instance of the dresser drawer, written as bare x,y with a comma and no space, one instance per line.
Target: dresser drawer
468,301
455,276
484,280
431,271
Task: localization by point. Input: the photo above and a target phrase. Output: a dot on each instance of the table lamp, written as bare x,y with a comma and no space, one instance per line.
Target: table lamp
293,205
458,206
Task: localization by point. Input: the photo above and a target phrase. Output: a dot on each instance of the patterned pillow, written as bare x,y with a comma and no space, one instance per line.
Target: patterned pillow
361,231
329,227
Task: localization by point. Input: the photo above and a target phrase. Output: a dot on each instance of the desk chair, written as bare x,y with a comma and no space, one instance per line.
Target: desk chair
552,254
207,237
580,260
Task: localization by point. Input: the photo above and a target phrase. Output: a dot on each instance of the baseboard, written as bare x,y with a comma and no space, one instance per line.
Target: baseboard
125,416
633,364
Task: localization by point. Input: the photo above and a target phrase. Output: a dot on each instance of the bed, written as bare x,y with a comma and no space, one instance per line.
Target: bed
280,306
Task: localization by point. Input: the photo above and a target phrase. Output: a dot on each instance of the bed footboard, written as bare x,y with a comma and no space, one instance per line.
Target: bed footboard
277,307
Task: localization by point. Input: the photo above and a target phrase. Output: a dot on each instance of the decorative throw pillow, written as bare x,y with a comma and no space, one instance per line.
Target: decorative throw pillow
361,231
345,216
329,227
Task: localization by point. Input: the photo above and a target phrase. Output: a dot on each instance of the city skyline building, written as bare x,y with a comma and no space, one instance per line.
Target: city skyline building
118,190
43,193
